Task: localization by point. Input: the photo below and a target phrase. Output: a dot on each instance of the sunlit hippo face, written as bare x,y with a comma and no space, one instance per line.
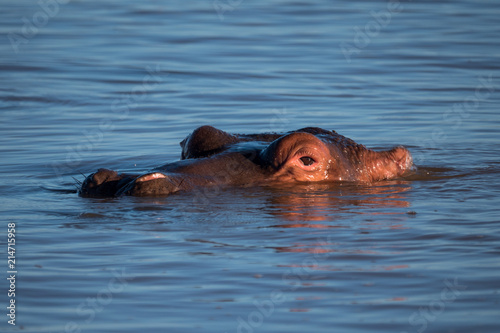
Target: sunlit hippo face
213,157
299,156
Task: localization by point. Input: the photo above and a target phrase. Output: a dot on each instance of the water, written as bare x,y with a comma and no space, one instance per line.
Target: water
119,84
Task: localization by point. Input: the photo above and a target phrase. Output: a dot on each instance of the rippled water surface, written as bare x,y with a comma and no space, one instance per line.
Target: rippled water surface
117,84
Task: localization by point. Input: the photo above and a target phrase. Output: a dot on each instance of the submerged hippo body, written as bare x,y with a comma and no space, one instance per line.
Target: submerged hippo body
214,157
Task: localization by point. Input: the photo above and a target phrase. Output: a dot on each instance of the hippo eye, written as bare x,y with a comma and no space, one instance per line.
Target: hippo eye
306,160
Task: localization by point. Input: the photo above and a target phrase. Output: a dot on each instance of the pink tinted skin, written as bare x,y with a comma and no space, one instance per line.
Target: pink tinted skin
303,157
151,176
387,164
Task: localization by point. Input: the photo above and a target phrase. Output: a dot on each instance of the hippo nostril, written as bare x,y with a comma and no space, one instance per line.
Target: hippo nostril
151,176
103,175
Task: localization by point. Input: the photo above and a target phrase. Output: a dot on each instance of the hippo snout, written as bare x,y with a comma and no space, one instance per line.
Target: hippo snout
151,184
103,183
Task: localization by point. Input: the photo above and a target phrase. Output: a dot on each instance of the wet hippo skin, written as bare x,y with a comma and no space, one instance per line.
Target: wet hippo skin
213,157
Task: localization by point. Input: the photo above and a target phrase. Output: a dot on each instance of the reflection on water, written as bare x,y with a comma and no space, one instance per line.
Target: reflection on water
322,202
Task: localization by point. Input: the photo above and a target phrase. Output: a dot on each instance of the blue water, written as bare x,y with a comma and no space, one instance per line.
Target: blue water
117,84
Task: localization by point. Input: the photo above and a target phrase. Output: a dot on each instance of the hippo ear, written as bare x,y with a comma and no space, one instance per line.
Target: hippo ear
183,145
388,164
206,141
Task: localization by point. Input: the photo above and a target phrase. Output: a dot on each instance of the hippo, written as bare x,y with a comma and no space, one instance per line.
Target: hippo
213,157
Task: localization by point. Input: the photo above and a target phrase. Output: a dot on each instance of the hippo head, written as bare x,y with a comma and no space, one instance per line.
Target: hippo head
213,157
